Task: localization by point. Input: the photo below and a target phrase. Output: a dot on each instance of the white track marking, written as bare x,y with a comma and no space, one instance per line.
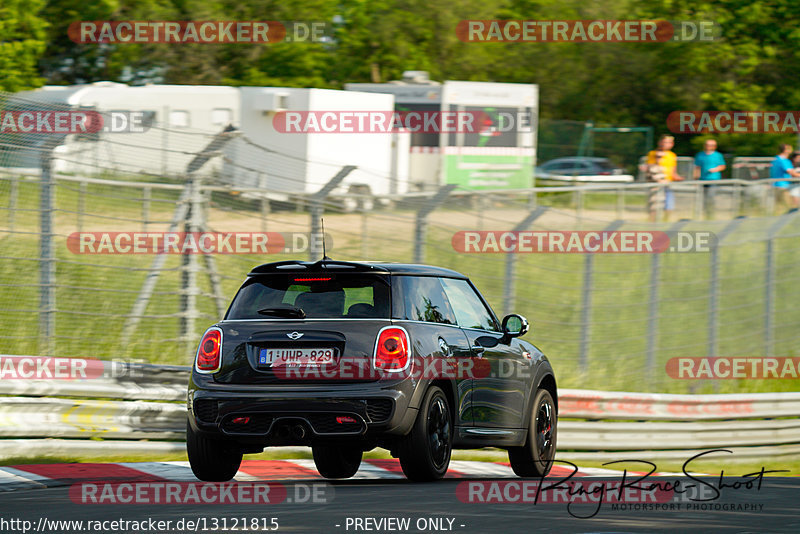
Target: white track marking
173,471
481,469
13,479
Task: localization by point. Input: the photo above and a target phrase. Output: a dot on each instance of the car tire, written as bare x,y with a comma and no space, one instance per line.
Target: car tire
535,458
337,461
211,460
425,452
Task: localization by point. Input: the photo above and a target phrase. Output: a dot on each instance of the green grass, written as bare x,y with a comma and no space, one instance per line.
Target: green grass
95,292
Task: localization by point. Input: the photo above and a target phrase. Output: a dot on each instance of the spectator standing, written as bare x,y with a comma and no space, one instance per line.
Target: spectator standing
781,169
661,168
708,167
794,191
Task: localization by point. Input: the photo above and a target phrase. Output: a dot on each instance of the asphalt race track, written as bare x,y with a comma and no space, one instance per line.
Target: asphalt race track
364,504
398,498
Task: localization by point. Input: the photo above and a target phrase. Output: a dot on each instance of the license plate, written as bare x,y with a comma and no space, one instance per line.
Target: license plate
295,357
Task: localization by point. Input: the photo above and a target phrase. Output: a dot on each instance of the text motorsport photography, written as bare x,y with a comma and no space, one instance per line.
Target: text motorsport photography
635,491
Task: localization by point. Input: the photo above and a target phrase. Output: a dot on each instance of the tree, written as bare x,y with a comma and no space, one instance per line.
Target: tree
22,43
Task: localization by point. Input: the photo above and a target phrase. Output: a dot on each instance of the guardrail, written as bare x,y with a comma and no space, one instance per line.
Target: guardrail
143,410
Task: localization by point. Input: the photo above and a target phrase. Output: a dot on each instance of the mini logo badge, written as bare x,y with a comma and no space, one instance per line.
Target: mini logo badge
295,335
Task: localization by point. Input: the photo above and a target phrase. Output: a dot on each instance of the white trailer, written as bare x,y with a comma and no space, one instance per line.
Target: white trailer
501,155
179,114
304,162
185,118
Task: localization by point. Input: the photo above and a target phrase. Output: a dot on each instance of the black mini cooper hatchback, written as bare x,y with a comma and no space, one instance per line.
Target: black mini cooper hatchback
346,357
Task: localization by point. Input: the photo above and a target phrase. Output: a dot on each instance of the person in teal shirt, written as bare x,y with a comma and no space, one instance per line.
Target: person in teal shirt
709,165
782,168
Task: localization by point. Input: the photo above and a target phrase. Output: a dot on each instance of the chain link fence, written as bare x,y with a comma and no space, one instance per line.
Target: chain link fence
607,321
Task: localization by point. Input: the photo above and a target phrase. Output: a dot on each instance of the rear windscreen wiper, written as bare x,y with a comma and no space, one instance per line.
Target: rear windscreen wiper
289,312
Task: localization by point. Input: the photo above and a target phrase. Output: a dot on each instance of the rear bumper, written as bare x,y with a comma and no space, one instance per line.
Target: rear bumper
301,415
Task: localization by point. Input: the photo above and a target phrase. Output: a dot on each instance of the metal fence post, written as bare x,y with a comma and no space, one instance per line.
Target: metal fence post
481,206
533,201
421,224
12,202
146,193
511,261
769,281
699,209
81,203
660,205
652,312
262,185
220,300
315,202
769,199
364,231
154,272
212,150
47,263
713,319
189,288
586,308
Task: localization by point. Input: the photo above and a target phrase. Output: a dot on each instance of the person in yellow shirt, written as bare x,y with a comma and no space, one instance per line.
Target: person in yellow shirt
661,164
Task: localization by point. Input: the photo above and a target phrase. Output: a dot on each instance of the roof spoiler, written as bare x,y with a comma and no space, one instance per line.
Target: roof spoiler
321,265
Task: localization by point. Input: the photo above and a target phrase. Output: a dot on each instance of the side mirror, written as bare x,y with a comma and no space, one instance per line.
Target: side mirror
514,325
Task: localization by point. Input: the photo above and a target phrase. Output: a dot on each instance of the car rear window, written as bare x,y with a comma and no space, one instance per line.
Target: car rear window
320,296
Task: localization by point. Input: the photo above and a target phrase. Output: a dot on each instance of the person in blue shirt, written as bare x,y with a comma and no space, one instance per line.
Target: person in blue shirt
782,168
709,165
794,190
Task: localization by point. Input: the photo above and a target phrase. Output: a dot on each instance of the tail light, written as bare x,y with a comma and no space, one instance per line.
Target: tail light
393,350
209,352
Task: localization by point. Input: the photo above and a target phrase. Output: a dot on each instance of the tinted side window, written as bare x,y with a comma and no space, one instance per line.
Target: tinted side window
468,307
423,300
